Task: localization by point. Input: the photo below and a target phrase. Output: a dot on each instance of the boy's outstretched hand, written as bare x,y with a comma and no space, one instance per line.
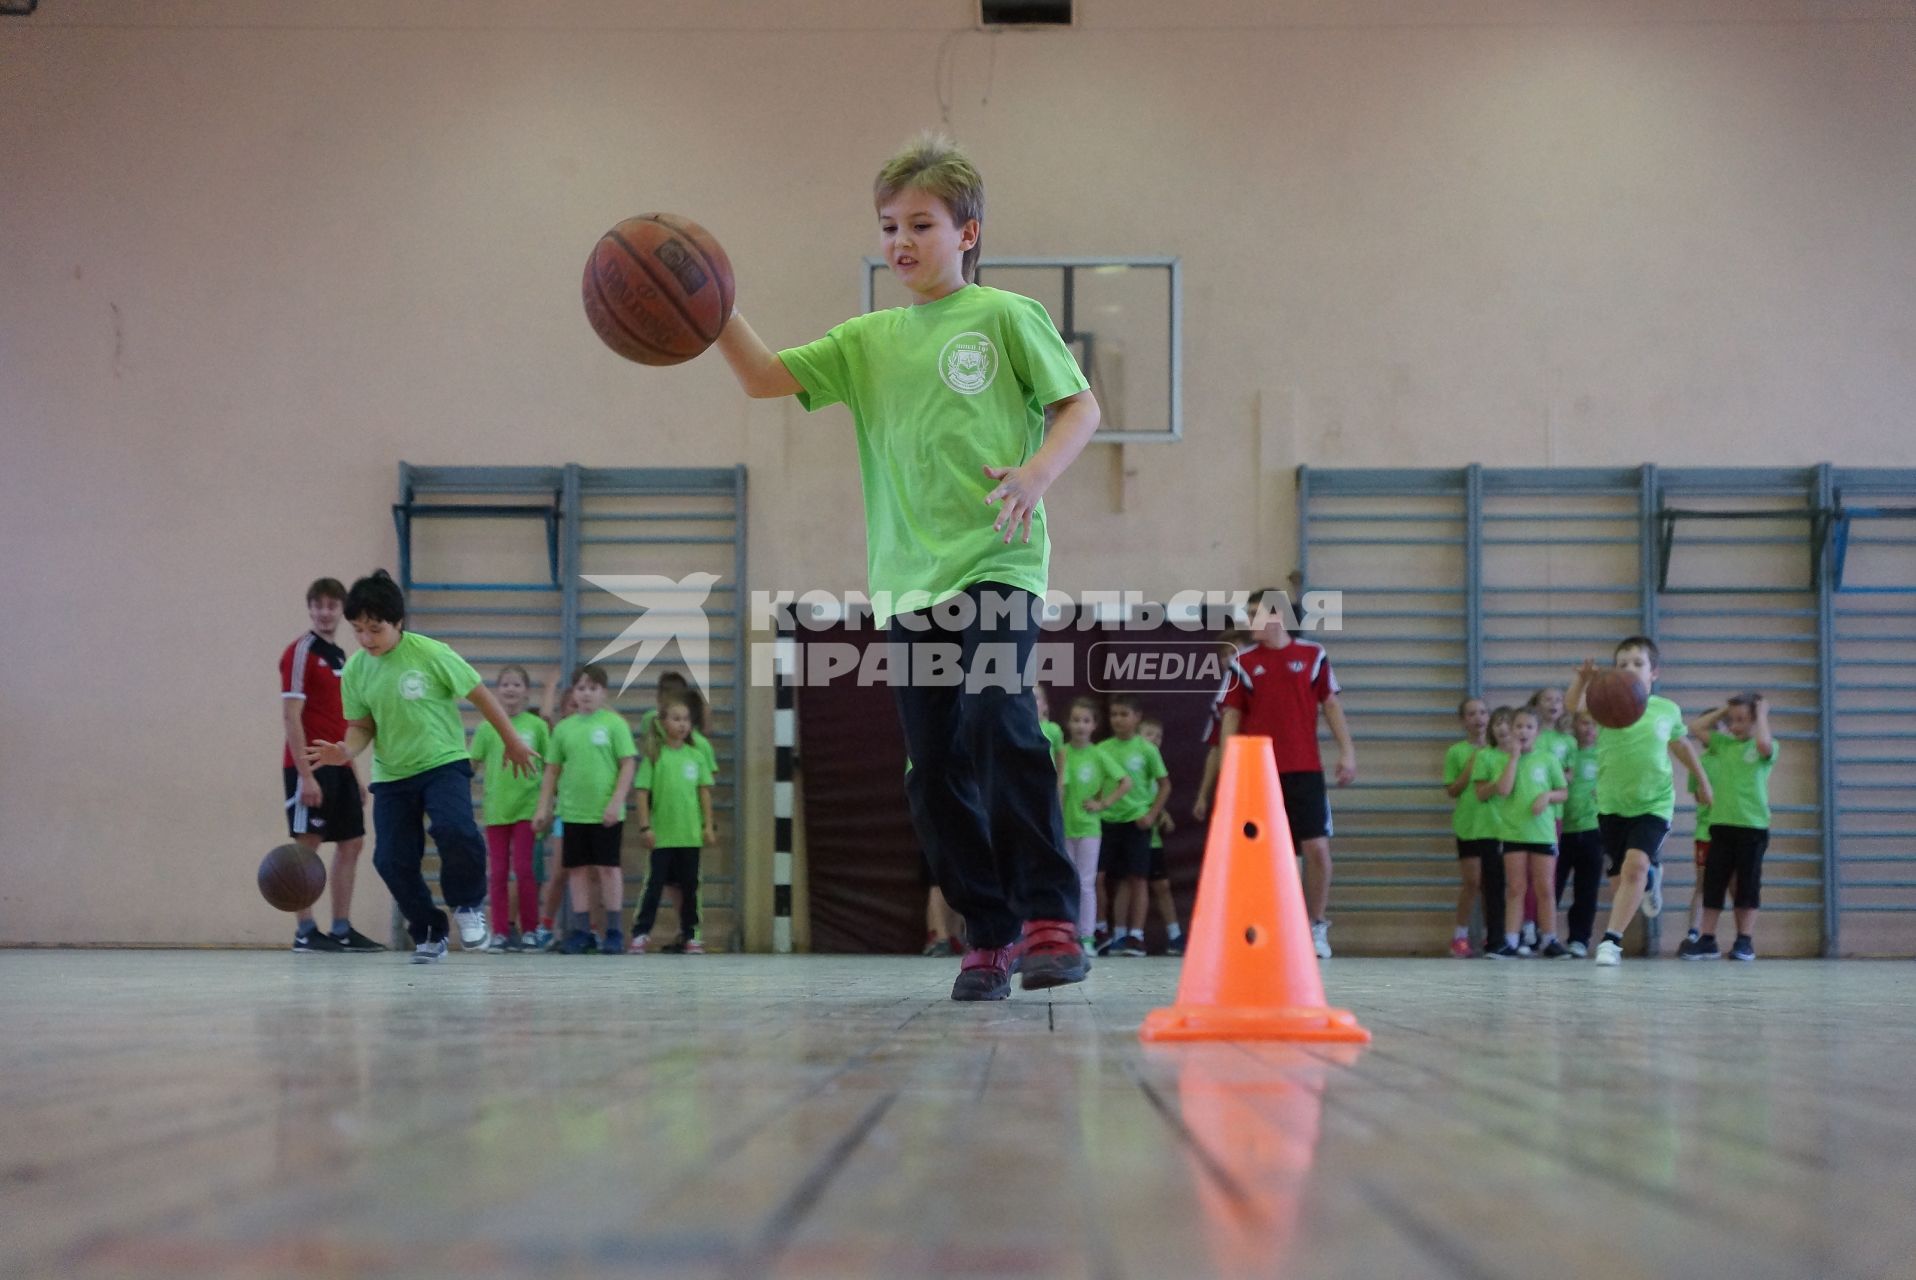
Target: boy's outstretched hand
1020,491
523,759
333,753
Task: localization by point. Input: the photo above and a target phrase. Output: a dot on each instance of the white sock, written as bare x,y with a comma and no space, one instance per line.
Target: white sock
1510,940
1101,927
1172,931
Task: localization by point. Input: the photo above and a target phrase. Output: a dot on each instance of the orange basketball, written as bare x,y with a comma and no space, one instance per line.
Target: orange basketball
1615,699
658,288
291,878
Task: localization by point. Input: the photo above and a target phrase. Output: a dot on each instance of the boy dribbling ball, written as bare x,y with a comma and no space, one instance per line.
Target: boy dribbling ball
949,398
1636,788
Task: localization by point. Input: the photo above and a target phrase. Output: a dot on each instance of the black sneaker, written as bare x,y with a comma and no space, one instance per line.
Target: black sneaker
1554,950
1502,951
578,943
356,943
984,975
1110,944
1133,946
1697,949
1174,946
313,942
1743,950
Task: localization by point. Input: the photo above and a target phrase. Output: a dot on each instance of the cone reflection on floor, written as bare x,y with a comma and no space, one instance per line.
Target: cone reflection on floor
1249,970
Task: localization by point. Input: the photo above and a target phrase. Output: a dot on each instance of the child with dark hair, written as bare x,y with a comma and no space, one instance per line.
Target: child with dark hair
1127,823
588,771
400,694
675,822
508,803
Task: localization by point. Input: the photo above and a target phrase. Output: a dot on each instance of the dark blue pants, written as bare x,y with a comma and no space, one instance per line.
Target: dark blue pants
983,787
402,809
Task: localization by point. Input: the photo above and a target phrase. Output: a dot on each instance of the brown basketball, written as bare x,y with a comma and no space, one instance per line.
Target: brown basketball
291,878
1615,699
658,288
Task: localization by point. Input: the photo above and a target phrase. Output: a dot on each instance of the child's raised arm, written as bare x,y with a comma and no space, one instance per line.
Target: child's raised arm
1503,783
1703,725
1573,696
757,367
1765,741
1456,788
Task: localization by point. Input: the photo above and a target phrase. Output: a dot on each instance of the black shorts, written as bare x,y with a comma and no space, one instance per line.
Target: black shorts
1158,871
1478,849
1306,805
1735,852
1536,850
1126,850
341,812
592,844
1621,834
1575,845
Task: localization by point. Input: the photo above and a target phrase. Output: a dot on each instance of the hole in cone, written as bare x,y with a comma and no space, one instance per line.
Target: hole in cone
1250,934
1250,831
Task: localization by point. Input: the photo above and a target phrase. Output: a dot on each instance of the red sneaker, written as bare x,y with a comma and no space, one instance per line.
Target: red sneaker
1460,947
1050,954
984,975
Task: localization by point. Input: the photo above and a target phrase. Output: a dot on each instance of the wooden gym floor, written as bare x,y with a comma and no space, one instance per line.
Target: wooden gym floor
212,1115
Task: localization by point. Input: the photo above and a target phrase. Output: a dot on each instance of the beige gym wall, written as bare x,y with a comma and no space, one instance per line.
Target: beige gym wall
256,252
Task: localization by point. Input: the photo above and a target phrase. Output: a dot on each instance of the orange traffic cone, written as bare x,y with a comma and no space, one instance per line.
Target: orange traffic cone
1249,970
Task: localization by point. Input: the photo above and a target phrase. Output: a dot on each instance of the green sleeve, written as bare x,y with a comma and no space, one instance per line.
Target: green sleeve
352,699
541,736
1154,766
822,368
483,737
455,671
704,744
1038,355
555,750
622,739
1114,772
1453,765
705,773
644,780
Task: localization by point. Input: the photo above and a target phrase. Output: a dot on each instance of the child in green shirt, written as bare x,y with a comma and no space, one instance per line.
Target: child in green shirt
1522,794
675,822
1151,729
588,769
1474,826
1093,781
1737,766
401,695
1126,846
508,803
1636,791
949,399
1701,837
1579,846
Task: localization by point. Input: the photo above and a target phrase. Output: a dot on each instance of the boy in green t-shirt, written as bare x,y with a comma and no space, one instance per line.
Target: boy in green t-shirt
1125,850
1523,795
1579,846
1737,766
508,803
1093,780
675,822
949,399
401,696
588,769
1636,790
1474,825
1151,729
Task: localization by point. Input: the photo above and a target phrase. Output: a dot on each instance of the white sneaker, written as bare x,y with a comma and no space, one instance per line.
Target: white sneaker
1609,953
1653,893
429,952
1321,939
498,942
473,934
1578,951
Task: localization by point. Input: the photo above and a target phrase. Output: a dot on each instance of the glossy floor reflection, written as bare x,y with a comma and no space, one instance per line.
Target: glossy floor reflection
236,1115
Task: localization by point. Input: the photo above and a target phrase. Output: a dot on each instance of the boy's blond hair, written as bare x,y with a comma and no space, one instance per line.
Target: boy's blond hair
933,163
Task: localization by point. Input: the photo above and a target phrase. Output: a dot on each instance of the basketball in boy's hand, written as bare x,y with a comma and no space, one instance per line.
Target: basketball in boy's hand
658,288
291,878
1615,699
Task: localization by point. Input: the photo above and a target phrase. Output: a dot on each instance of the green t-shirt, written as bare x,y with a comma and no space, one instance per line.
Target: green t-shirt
1702,810
1141,761
587,750
1740,777
1052,734
698,740
509,795
412,696
1633,765
674,779
1537,772
1559,746
1472,819
1089,772
1580,810
938,392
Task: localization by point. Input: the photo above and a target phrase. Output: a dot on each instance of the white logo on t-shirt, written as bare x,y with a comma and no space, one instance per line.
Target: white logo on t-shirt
1749,754
1134,763
968,363
1536,773
691,772
1663,728
412,686
1297,667
1589,770
1085,773
599,738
